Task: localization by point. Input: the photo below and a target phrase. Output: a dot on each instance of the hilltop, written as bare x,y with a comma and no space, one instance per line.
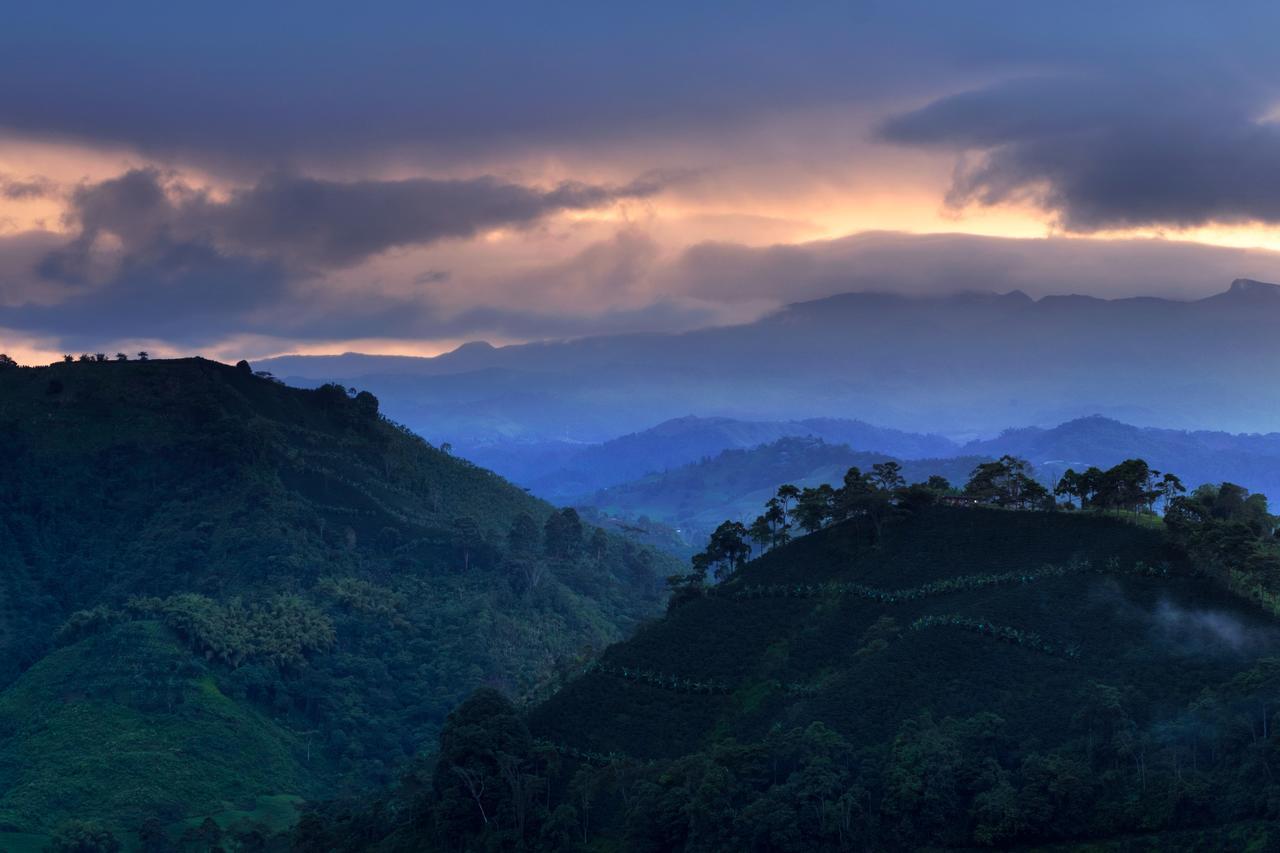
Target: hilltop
969,678
277,585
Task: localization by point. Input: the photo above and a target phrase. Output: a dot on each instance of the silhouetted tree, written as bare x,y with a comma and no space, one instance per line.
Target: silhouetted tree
760,532
814,507
887,476
728,547
938,483
786,494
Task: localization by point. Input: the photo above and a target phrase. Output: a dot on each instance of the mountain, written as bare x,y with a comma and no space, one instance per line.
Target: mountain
219,591
565,472
966,679
1197,456
966,365
735,484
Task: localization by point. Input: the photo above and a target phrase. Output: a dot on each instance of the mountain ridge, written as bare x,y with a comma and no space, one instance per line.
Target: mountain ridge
965,366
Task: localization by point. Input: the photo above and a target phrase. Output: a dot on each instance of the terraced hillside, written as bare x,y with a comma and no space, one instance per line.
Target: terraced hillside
980,677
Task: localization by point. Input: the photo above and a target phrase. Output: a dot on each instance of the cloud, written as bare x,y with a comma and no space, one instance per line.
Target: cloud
150,256
311,222
1105,151
20,189
937,264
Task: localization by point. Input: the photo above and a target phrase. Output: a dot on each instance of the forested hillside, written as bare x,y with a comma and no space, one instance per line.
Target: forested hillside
961,678
218,591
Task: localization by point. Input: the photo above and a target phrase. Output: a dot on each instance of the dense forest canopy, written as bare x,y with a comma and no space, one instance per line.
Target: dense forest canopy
186,542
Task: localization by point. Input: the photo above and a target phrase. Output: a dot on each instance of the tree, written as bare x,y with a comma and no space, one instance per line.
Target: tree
524,537
728,547
466,535
1170,487
563,533
68,358
1126,486
855,487
776,516
482,775
887,476
121,357
814,507
1071,485
5,361
599,544
144,355
760,532
83,837
938,483
1007,482
786,494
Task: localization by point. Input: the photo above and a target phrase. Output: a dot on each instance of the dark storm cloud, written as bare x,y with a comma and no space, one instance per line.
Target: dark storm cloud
317,222
259,84
1103,153
182,292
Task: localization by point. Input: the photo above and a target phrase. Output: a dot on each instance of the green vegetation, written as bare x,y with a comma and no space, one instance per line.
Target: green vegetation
959,678
227,601
215,589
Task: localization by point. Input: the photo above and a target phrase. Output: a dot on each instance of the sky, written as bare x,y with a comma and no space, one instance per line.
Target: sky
245,180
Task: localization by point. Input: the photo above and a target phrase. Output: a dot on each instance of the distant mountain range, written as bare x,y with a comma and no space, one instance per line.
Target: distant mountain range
562,471
966,365
704,491
736,483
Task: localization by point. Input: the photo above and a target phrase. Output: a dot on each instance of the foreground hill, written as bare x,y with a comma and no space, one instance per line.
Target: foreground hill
969,678
252,591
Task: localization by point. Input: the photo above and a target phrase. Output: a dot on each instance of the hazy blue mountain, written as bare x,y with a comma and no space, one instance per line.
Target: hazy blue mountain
1201,456
735,484
566,471
964,365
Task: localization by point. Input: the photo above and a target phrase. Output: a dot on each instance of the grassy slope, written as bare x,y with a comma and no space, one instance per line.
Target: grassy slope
191,476
866,689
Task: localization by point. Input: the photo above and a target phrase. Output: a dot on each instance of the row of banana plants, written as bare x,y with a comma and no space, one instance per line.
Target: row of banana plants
1002,633
963,583
666,681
